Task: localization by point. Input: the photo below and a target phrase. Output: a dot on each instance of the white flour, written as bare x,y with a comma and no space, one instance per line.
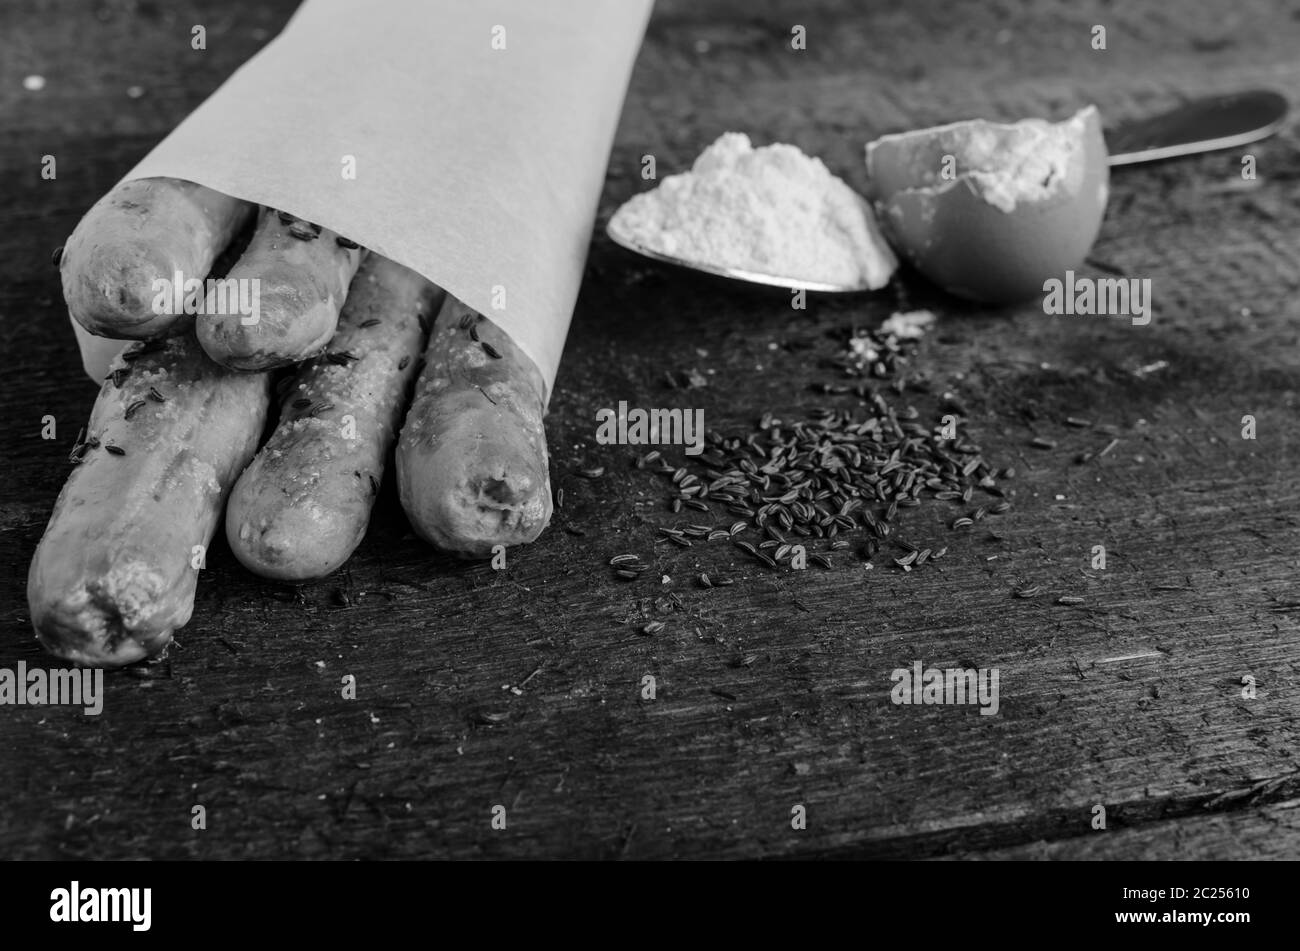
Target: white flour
772,210
1026,161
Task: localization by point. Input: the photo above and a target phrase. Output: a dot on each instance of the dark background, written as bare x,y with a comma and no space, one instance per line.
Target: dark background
773,691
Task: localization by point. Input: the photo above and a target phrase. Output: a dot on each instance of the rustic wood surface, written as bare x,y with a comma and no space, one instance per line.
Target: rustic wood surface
774,691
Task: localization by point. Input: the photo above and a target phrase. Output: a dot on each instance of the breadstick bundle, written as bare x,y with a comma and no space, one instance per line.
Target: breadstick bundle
172,441
404,239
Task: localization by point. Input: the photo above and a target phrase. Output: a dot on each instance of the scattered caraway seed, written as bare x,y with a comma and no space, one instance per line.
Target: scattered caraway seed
834,472
57,256
1077,423
623,559
301,403
343,242
627,575
473,333
1109,446
654,627
131,410
705,581
341,358
302,234
156,396
405,362
819,558
1069,599
1028,592
372,322
1038,442
490,350
285,217
118,376
374,485
115,450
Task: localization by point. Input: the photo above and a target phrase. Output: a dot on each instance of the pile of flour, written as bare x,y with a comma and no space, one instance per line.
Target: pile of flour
772,210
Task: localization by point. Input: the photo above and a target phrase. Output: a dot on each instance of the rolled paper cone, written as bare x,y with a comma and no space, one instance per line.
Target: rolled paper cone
466,141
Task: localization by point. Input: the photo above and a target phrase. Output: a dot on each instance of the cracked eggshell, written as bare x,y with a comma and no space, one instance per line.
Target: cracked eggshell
957,232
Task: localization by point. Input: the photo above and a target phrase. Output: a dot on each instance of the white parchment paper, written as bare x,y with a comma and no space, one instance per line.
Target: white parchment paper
480,131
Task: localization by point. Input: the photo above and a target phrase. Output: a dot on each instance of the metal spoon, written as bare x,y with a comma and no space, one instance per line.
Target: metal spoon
1202,125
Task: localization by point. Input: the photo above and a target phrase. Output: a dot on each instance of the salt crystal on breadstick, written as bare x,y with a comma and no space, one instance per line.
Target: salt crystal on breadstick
472,467
302,272
302,507
142,232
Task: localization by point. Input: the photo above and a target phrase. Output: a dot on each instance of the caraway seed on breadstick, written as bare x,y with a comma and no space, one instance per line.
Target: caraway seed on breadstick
472,467
302,507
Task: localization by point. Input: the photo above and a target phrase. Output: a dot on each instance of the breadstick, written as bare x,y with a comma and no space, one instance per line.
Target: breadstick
114,574
302,507
471,460
143,231
303,273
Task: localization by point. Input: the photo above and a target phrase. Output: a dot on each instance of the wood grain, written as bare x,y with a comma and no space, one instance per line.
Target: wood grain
774,691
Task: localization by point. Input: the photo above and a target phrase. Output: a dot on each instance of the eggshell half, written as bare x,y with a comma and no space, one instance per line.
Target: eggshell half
969,245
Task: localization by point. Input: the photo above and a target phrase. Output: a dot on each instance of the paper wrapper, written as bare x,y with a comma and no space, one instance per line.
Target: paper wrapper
479,132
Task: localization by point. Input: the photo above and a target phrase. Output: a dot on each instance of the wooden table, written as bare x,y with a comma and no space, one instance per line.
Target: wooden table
772,692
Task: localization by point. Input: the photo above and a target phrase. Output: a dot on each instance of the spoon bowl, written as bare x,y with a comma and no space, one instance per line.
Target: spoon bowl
734,273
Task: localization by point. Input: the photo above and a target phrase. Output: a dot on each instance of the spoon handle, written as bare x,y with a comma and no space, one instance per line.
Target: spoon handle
1202,125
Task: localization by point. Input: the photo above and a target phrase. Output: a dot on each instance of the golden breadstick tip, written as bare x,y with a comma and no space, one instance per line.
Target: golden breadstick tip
141,233
472,468
301,272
